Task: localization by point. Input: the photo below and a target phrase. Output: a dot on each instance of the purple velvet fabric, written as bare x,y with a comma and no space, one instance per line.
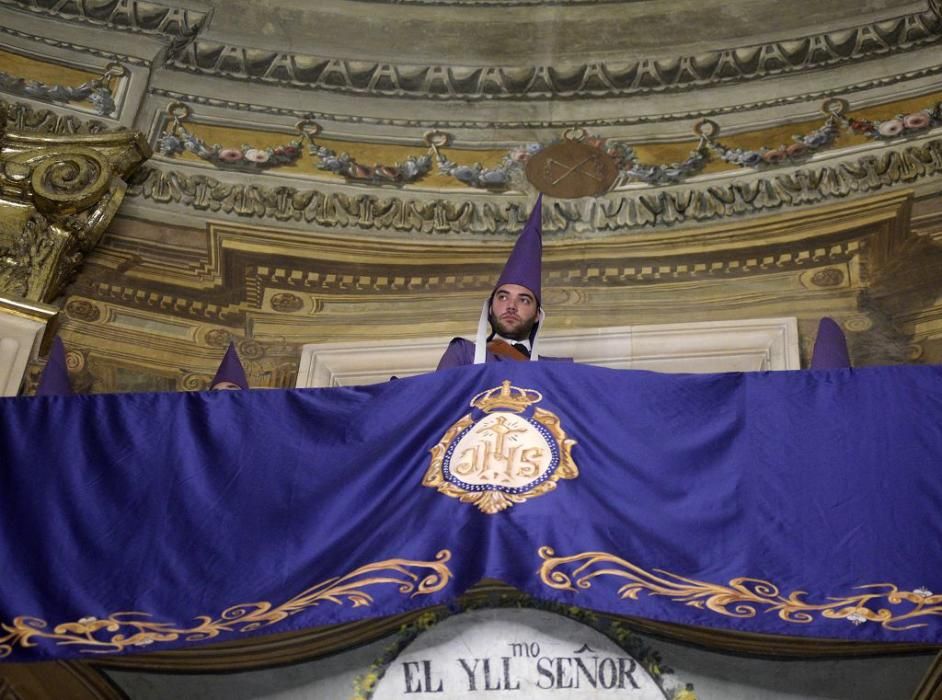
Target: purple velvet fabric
230,369
830,347
460,352
55,377
523,267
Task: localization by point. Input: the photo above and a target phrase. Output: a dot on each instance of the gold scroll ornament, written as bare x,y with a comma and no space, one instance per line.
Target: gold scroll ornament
742,597
122,630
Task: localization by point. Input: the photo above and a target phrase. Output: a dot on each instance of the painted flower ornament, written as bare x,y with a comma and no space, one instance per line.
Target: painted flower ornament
901,125
258,155
177,139
890,128
500,177
229,155
917,120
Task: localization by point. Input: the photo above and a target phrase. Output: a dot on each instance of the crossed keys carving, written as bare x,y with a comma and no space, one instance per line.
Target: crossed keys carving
572,169
595,173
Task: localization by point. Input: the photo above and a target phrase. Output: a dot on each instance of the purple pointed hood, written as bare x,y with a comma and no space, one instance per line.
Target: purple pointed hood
54,380
524,266
231,370
830,347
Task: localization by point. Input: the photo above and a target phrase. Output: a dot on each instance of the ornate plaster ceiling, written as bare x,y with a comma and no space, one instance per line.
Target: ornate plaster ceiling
430,105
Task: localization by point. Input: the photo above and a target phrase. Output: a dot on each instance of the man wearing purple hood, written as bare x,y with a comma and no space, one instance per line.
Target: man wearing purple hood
54,381
512,315
230,375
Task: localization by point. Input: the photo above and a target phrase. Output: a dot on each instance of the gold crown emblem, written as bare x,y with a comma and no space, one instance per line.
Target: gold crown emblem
505,396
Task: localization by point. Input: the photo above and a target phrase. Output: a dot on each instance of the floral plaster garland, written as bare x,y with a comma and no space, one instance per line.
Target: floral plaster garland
805,145
501,177
477,175
409,170
177,139
96,91
631,169
771,190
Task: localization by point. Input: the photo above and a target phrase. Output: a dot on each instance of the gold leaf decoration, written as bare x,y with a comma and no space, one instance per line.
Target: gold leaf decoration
743,597
121,630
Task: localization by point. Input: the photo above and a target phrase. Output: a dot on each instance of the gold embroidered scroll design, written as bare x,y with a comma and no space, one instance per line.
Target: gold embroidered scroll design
743,597
121,630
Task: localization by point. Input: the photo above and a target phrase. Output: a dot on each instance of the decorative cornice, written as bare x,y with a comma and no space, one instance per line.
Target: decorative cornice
130,15
599,79
80,48
635,209
251,268
587,123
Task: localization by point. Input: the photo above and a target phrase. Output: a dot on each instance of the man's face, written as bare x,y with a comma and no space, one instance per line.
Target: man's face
226,386
513,311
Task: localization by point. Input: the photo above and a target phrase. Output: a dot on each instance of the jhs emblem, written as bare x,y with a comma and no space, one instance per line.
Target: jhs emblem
506,456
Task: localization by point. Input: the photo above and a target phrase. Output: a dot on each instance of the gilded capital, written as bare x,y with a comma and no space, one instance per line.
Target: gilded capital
58,193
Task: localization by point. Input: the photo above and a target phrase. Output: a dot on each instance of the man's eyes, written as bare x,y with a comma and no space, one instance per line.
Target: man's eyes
522,300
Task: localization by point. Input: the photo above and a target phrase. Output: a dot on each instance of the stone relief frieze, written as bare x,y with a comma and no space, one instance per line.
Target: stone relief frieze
131,15
894,80
447,82
706,201
23,117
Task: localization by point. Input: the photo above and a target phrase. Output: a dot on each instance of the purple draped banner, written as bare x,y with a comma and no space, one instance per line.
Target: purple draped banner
790,503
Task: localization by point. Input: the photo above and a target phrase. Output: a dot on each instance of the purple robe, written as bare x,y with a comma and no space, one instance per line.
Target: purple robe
461,352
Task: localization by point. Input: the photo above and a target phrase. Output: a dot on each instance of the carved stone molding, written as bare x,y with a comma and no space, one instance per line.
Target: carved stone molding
632,209
129,15
588,121
80,48
599,79
24,117
57,196
266,277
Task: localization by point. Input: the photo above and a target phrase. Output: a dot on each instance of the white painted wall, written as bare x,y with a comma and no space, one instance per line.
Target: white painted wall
713,346
20,336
